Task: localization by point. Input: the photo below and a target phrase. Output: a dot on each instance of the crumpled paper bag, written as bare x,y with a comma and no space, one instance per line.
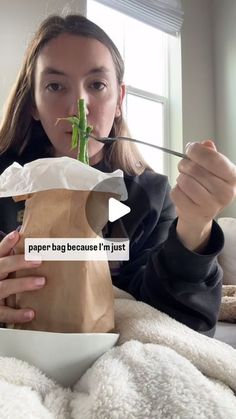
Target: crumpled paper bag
78,295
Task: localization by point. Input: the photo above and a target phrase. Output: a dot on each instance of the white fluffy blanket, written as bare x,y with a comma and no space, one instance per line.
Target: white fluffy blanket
161,369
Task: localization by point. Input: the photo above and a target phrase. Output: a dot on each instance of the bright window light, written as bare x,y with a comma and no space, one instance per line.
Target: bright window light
144,50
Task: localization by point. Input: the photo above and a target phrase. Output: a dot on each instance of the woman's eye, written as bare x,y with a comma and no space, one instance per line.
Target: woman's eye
54,87
98,85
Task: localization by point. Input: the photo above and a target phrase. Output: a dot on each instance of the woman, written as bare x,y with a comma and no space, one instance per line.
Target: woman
172,262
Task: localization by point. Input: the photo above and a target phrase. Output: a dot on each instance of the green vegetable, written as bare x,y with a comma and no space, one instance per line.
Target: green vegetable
80,132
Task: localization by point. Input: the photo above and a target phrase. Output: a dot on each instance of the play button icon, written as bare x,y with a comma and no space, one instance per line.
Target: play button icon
112,214
104,206
116,209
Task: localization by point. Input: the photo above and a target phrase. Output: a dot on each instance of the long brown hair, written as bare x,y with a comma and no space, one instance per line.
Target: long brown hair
22,137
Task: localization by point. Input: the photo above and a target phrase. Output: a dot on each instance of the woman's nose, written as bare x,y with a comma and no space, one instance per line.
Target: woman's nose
73,108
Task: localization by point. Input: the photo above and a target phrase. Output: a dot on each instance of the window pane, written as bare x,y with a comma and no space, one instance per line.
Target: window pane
142,47
145,121
144,52
111,21
144,57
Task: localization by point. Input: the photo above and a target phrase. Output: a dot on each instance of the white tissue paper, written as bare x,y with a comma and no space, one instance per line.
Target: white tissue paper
59,173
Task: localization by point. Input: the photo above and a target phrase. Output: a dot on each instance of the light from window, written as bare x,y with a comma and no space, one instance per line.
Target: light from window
144,50
142,117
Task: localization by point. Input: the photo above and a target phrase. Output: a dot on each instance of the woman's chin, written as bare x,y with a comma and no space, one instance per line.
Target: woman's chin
94,156
66,153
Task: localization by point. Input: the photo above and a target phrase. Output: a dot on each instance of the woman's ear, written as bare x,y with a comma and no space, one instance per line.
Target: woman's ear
120,100
34,112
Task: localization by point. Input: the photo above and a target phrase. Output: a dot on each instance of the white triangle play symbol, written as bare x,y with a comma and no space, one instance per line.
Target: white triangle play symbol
116,209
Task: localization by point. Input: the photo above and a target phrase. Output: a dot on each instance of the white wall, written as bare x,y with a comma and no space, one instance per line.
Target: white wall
209,75
224,48
197,71
18,21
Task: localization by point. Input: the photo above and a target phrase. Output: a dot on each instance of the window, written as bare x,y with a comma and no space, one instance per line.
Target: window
144,50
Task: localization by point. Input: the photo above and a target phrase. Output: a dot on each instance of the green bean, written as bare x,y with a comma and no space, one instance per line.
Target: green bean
80,132
83,138
75,135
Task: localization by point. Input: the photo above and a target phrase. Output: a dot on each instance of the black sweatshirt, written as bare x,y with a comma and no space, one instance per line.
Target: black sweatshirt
161,271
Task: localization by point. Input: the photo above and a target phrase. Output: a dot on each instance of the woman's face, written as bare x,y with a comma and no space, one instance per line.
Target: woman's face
69,68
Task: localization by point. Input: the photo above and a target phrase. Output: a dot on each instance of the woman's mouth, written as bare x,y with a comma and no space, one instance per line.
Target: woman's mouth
68,132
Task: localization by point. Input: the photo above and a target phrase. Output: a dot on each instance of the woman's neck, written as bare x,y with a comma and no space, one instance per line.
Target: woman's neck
96,158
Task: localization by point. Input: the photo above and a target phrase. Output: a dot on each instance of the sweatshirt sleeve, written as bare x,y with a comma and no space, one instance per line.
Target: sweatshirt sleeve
171,278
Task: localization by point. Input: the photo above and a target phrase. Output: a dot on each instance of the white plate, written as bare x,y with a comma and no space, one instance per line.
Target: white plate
61,356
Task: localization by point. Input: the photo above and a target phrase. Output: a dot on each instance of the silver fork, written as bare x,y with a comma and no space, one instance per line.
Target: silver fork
106,140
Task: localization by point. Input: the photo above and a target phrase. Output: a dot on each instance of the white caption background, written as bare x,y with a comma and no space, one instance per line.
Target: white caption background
76,249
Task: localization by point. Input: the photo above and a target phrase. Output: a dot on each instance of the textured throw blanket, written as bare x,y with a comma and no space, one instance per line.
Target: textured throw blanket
228,304
161,369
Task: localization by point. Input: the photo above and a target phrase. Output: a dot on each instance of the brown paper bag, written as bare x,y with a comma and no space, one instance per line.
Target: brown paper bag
78,295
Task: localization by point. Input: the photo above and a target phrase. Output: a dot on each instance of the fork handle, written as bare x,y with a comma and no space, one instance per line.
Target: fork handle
105,140
133,140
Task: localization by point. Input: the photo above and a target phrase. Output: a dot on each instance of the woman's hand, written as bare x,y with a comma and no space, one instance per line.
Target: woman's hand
206,185
11,263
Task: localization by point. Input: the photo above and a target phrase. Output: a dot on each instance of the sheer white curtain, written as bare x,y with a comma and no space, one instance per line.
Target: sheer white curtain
166,15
